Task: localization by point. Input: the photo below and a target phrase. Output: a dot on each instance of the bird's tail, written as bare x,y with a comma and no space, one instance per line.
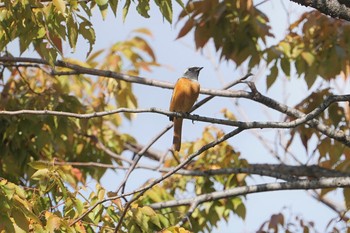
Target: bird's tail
177,133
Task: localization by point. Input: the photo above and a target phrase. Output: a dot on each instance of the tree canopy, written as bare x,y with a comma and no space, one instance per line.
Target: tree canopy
63,119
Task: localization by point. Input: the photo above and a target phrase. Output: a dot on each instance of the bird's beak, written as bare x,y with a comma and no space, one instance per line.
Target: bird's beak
200,68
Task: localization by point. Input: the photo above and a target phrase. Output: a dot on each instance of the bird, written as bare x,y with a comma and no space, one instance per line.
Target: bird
185,94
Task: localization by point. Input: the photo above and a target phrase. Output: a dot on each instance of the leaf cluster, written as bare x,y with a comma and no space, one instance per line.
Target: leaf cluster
236,28
31,138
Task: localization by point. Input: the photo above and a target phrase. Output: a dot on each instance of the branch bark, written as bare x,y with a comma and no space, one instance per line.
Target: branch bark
335,8
337,182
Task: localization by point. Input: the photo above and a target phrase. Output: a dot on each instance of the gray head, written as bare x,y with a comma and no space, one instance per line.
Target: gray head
192,73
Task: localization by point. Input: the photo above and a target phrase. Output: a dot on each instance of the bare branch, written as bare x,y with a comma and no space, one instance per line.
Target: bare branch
336,182
334,8
303,118
278,171
6,61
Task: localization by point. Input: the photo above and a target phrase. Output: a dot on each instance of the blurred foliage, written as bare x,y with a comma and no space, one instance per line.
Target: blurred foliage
279,223
242,28
46,25
43,197
316,46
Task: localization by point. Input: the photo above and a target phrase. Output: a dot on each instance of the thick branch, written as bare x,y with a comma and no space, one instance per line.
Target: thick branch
334,8
6,61
279,171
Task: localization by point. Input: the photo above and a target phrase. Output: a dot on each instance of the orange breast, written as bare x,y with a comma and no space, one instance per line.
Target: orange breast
185,94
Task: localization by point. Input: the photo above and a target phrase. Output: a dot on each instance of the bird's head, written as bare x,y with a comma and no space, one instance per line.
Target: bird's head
192,72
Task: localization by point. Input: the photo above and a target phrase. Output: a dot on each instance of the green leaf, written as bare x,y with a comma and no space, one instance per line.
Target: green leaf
310,77
37,165
9,190
181,4
72,32
103,5
114,6
271,78
86,30
20,220
143,8
308,57
285,64
6,222
126,9
39,174
166,9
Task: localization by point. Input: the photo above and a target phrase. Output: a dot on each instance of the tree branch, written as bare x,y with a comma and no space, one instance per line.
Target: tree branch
334,8
6,61
255,95
278,171
334,182
302,118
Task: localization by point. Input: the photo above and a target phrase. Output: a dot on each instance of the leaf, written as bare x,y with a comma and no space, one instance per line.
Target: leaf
20,220
143,45
103,6
126,9
9,189
57,42
166,9
188,26
143,8
285,64
144,31
310,77
308,57
228,114
72,32
201,36
271,78
37,165
60,5
114,6
39,174
86,30
53,222
181,4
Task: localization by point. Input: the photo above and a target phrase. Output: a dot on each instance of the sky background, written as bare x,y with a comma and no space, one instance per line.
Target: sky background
175,56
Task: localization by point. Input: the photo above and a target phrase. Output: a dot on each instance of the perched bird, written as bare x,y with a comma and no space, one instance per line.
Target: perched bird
185,94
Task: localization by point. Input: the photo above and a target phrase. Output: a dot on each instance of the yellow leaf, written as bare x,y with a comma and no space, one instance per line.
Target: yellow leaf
60,5
148,211
308,57
228,114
